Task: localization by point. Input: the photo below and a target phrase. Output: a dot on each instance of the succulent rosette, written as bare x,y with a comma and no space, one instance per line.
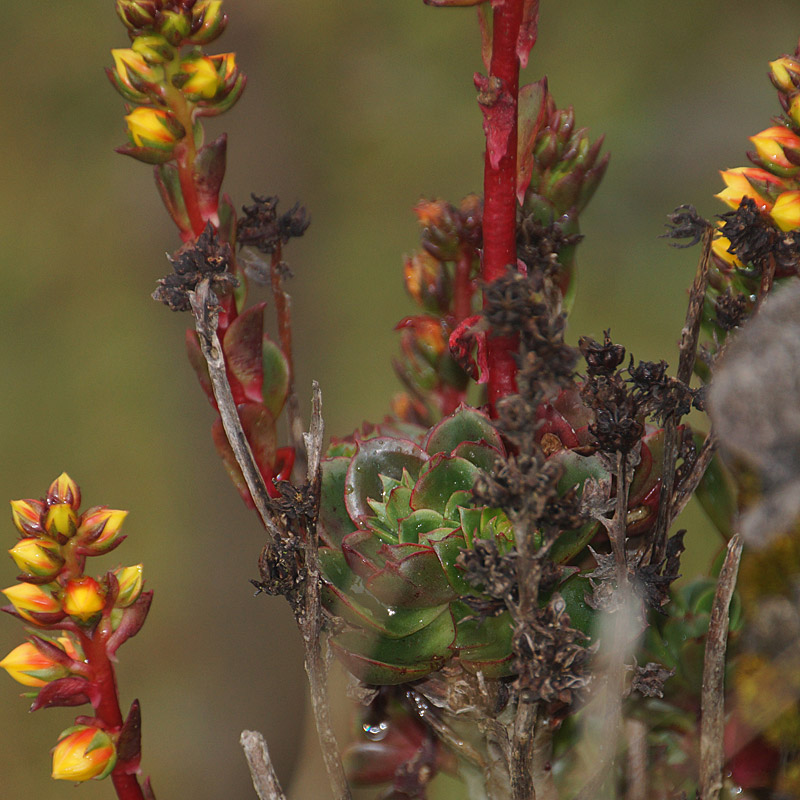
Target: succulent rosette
398,508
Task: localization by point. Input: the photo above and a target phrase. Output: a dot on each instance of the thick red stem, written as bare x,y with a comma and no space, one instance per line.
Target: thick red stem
189,192
107,708
499,187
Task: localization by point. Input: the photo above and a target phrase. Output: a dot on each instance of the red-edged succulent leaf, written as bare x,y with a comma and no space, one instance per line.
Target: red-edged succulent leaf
464,425
209,170
444,476
484,644
70,691
412,527
275,369
532,113
344,592
364,553
334,521
259,428
242,346
412,578
385,661
375,457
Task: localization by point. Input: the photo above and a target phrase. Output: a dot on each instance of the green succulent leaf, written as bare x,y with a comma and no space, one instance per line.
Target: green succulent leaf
275,368
417,523
443,477
412,577
384,661
242,346
464,425
375,457
334,521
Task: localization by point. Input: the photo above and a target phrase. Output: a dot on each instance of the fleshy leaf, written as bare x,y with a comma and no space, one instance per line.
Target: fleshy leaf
464,425
242,345
275,368
334,521
208,174
417,523
497,106
527,32
380,660
411,578
437,484
376,457
169,187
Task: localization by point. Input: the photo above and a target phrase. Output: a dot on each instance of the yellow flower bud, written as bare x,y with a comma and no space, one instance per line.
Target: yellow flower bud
208,21
27,516
786,211
83,752
61,521
30,667
152,127
737,186
770,144
782,70
38,557
27,598
719,246
83,598
130,584
203,81
100,529
64,490
154,49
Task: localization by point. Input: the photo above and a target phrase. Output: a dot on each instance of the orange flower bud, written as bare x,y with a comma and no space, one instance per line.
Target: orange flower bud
83,752
27,516
770,144
28,599
737,186
794,109
27,665
130,585
786,211
64,490
83,598
61,521
39,558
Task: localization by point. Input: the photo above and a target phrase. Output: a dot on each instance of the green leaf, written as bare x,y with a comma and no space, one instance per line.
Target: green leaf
334,521
446,475
384,661
464,425
375,457
417,523
412,577
275,370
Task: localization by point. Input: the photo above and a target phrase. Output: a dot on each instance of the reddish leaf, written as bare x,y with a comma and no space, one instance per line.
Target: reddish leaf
243,357
72,691
497,106
209,170
528,31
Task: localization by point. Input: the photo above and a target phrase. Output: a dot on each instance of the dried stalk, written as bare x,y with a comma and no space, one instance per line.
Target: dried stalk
265,781
206,309
684,493
712,720
690,335
309,616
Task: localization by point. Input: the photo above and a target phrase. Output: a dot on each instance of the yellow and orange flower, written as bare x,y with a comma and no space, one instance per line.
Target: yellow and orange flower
83,752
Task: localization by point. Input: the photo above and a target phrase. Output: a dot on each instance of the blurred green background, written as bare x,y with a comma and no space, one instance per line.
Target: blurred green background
356,108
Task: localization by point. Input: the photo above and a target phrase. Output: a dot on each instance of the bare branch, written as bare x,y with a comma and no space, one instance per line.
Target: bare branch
265,781
309,615
688,352
205,308
712,720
